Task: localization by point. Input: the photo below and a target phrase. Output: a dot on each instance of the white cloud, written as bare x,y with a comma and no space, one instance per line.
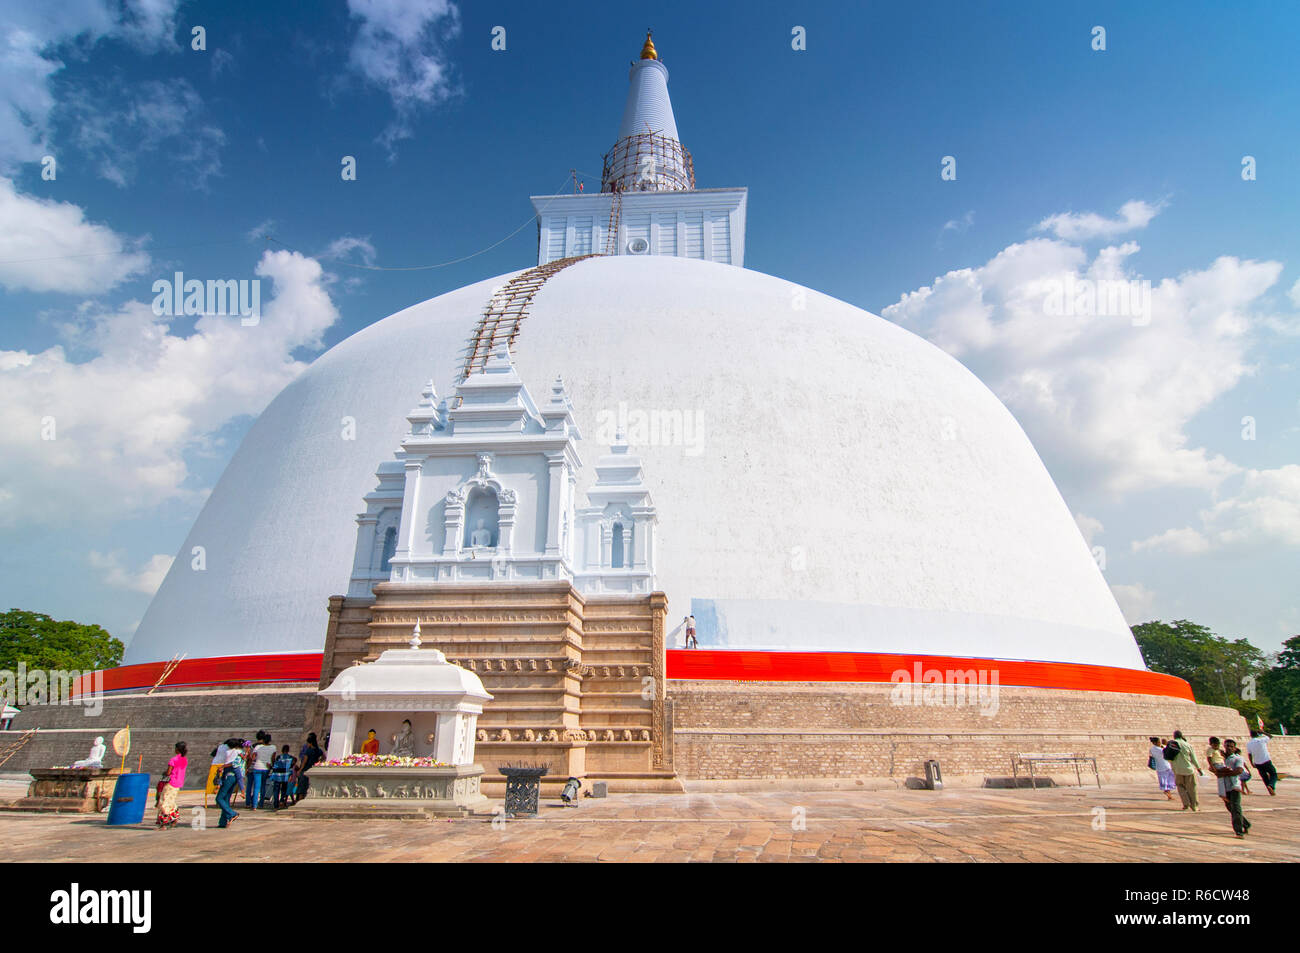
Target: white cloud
155,125
221,62
341,248
124,419
1084,226
1265,511
149,24
49,246
398,47
1089,526
1294,293
1106,399
1186,541
31,36
1135,602
146,579
960,224
258,232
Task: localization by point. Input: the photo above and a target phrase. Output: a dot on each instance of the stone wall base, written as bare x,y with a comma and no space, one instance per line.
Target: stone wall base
847,735
776,731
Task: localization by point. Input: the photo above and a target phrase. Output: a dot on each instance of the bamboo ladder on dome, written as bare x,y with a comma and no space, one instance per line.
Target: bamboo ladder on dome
167,671
13,749
506,311
615,218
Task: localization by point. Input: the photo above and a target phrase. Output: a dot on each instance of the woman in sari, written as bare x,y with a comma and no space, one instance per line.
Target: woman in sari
1164,771
168,810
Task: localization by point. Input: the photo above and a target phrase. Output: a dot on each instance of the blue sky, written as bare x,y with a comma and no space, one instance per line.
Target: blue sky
170,158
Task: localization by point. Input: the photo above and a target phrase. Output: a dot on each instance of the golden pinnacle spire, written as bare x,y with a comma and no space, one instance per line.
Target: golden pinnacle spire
648,51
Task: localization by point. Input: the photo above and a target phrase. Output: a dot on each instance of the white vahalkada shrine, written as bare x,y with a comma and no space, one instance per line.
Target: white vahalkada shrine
635,430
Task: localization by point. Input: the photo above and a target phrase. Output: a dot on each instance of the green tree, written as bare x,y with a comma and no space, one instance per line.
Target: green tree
1282,685
45,643
1219,670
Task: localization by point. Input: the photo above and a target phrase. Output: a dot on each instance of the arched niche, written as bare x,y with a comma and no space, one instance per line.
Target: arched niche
616,531
388,549
482,518
480,498
617,546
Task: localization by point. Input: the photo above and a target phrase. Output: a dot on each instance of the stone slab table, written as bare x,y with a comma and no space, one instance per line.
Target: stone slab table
67,791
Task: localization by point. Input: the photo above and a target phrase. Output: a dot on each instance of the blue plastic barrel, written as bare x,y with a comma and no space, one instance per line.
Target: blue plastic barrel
130,798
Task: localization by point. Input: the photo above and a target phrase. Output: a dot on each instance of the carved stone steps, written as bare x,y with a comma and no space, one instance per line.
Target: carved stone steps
540,712
505,692
615,717
573,665
629,702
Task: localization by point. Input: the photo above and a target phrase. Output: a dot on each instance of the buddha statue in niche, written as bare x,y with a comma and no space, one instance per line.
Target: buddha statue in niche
482,519
480,535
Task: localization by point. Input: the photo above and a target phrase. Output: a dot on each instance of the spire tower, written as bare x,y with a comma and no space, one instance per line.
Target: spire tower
648,203
648,156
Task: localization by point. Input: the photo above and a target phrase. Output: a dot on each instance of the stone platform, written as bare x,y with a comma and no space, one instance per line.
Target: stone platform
971,825
67,791
350,791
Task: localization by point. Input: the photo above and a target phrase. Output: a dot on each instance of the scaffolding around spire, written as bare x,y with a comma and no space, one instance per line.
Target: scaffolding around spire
647,162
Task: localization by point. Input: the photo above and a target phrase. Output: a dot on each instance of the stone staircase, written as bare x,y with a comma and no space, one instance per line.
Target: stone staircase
577,684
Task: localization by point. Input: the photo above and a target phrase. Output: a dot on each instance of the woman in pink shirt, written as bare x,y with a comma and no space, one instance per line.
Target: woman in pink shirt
168,811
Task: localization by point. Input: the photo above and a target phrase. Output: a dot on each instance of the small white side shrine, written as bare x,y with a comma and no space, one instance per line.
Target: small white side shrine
616,541
440,701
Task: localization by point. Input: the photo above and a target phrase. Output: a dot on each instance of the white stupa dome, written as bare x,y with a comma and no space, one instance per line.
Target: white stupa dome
842,484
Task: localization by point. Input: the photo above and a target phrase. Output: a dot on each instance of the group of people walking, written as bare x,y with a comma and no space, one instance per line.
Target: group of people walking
253,768
1177,768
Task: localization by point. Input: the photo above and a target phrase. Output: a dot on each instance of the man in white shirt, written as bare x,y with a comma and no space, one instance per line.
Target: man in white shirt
263,755
1257,751
1230,771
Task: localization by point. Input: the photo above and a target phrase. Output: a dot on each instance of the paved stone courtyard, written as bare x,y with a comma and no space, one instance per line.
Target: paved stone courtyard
1135,824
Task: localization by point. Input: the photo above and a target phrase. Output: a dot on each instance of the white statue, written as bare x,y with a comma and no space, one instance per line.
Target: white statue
403,742
481,536
97,752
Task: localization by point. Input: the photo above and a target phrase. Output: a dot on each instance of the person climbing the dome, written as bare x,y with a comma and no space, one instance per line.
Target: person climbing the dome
691,643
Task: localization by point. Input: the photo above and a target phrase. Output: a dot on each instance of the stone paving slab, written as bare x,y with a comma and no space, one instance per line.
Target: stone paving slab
1117,824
